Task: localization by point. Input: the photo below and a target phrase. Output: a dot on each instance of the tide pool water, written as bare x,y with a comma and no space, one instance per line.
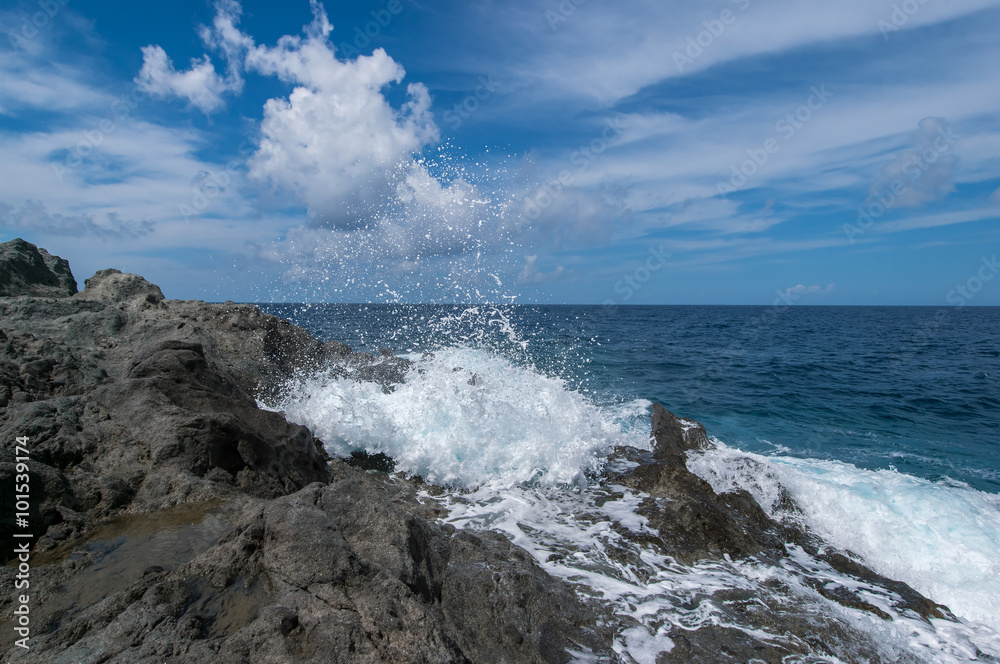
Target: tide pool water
880,422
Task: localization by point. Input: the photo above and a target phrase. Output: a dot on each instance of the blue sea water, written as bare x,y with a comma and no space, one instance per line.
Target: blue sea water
880,423
915,389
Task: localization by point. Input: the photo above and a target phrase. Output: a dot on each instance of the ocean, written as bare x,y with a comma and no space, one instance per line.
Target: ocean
881,422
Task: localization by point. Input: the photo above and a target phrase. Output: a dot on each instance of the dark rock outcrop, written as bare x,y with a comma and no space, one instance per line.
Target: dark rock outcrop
27,270
128,291
694,522
127,422
134,405
336,573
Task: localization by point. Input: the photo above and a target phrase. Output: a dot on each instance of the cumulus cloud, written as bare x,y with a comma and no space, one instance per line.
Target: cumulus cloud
532,275
200,85
34,217
335,142
923,173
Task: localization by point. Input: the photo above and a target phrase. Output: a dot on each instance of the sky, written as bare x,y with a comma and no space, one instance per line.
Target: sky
553,151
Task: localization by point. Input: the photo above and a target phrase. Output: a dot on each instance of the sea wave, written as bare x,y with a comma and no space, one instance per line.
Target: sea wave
464,417
523,453
941,538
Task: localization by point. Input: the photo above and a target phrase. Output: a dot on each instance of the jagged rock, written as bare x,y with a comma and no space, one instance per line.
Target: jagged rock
695,523
133,404
128,291
27,270
336,573
675,436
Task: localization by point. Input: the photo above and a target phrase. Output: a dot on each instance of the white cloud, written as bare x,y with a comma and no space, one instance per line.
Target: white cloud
923,173
335,142
200,84
568,61
573,216
996,197
225,37
33,217
936,220
795,292
45,86
532,275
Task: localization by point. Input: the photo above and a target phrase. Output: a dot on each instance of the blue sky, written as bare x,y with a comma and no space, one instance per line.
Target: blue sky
728,152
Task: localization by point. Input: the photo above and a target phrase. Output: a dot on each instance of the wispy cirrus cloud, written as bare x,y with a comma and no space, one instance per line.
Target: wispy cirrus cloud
343,167
34,217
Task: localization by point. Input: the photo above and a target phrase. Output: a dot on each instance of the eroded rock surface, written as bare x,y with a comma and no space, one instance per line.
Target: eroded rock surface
134,404
694,523
27,270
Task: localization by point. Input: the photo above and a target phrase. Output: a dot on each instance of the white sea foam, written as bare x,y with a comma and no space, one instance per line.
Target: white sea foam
941,539
521,451
465,417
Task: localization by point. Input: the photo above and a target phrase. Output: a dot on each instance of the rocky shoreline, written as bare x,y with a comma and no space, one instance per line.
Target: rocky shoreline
235,536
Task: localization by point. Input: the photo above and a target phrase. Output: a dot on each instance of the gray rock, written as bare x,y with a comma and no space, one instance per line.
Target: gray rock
137,406
333,573
27,270
134,404
695,523
129,291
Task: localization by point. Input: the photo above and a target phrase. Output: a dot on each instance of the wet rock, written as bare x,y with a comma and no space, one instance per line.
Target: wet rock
134,404
336,573
694,522
903,597
379,462
674,436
